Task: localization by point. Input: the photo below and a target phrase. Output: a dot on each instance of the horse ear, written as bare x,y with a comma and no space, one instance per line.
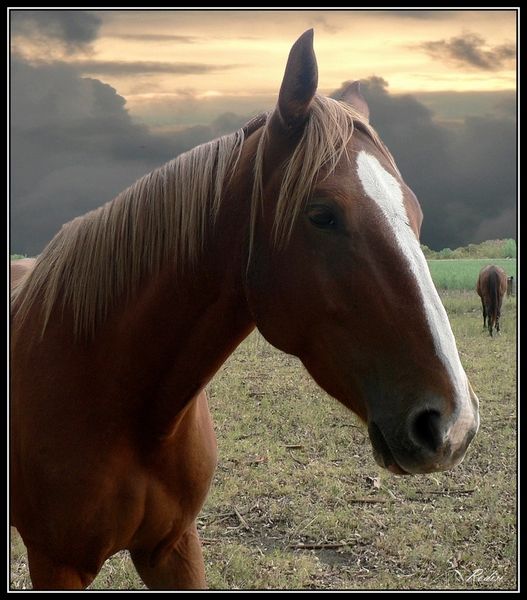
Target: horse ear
300,82
352,95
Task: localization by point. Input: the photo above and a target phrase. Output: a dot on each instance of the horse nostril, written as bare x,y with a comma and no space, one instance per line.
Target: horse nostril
426,430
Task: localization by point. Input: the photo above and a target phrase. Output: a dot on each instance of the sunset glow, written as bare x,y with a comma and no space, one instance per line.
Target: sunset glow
146,55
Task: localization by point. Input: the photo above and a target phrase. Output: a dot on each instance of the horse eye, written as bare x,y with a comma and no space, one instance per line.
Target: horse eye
322,217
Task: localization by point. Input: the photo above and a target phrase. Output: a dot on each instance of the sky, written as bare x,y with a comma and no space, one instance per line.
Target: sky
99,98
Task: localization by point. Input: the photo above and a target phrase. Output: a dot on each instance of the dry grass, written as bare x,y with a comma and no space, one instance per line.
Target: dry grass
296,469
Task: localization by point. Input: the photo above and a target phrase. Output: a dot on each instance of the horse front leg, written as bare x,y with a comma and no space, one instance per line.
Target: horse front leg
47,574
182,568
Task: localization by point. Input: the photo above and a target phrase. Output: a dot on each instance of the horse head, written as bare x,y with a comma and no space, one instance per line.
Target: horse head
336,275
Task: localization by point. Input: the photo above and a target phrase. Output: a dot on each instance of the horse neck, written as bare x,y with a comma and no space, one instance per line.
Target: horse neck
182,326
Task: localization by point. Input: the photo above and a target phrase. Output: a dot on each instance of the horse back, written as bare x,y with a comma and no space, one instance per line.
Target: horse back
20,269
492,283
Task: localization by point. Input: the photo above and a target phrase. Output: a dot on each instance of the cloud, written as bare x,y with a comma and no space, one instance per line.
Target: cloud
502,226
74,146
121,67
470,50
506,106
463,176
426,15
156,37
455,106
187,39
74,30
325,25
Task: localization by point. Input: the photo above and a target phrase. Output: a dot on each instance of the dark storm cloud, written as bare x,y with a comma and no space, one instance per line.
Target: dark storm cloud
506,106
449,105
121,67
74,147
470,50
463,175
75,30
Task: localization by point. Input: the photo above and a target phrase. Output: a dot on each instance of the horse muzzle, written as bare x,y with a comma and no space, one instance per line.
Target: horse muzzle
428,440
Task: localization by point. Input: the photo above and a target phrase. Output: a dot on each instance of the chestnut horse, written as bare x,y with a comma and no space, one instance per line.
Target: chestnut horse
491,287
299,224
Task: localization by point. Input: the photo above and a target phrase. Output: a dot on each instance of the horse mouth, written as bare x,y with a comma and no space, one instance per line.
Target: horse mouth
382,452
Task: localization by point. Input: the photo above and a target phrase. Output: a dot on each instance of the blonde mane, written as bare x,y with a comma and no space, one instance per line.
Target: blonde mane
98,258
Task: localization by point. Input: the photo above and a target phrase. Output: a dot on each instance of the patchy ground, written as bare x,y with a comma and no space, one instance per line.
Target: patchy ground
299,503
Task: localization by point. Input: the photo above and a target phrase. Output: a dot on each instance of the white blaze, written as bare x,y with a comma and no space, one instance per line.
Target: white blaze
386,191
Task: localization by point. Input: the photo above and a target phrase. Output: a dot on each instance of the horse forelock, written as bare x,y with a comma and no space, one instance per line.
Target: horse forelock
324,141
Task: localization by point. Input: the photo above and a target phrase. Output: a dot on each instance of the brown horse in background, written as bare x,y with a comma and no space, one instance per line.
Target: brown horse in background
491,287
299,224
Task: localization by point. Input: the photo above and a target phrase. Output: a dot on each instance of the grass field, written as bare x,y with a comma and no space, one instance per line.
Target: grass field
296,470
462,274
